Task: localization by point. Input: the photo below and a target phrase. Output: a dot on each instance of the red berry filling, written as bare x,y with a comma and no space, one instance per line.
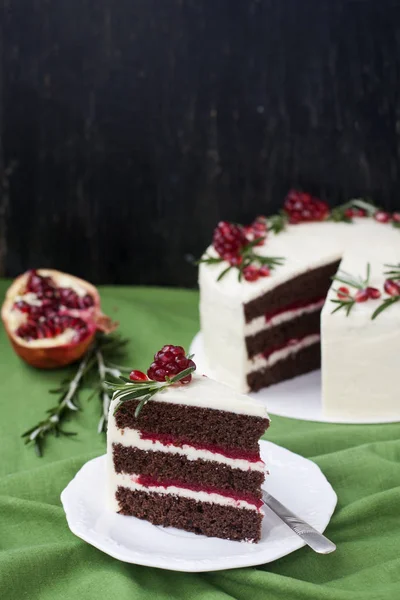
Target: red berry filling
301,207
170,361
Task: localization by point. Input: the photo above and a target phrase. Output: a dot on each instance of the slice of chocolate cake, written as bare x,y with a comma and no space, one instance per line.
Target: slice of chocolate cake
189,457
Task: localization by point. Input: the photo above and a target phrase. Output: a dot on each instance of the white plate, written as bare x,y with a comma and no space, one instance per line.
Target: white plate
294,480
298,398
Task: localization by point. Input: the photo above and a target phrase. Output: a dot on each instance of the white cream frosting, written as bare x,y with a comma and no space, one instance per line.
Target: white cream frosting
360,356
261,362
131,437
129,481
204,392
304,247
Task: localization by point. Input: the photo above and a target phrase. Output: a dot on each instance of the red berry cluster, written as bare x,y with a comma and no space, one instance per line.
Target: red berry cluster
257,230
169,361
51,327
51,297
301,207
228,240
251,273
368,293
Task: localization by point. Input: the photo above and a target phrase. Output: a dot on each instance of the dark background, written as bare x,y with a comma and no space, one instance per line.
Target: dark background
129,127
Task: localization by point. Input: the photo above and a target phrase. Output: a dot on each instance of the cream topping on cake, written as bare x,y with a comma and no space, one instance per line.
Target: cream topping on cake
204,392
360,356
305,247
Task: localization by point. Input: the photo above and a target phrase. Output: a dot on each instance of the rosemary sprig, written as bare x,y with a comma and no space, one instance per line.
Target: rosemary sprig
394,271
385,304
142,390
277,223
91,372
349,279
345,303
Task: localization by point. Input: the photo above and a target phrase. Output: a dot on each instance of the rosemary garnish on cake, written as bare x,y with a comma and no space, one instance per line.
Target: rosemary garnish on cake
235,245
345,300
170,367
391,287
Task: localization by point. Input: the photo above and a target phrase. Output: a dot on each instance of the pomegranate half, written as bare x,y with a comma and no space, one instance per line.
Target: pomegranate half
51,317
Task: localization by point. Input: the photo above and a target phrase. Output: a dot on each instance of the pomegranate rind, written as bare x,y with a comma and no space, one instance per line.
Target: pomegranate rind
58,355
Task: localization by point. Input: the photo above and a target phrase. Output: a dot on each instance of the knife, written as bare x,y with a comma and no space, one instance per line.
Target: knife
318,542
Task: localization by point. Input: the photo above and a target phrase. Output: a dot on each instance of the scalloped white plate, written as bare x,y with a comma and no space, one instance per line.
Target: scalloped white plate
298,398
294,480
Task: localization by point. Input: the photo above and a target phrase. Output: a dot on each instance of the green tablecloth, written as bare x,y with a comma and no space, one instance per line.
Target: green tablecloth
41,558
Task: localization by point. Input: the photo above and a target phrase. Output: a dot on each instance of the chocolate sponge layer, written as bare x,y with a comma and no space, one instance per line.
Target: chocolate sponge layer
305,360
204,518
165,466
311,284
193,424
297,328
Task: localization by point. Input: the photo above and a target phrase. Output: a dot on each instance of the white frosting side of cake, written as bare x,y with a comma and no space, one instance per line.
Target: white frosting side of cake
360,357
129,481
131,437
305,247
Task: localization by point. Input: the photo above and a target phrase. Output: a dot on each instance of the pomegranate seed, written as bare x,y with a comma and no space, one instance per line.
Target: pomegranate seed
361,296
88,301
250,273
22,306
381,216
137,376
165,357
360,212
349,213
264,271
186,380
396,217
343,292
178,351
233,259
392,287
373,293
182,362
160,374
172,368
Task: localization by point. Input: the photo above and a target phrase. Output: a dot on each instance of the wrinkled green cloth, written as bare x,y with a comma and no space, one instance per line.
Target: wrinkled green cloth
41,558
